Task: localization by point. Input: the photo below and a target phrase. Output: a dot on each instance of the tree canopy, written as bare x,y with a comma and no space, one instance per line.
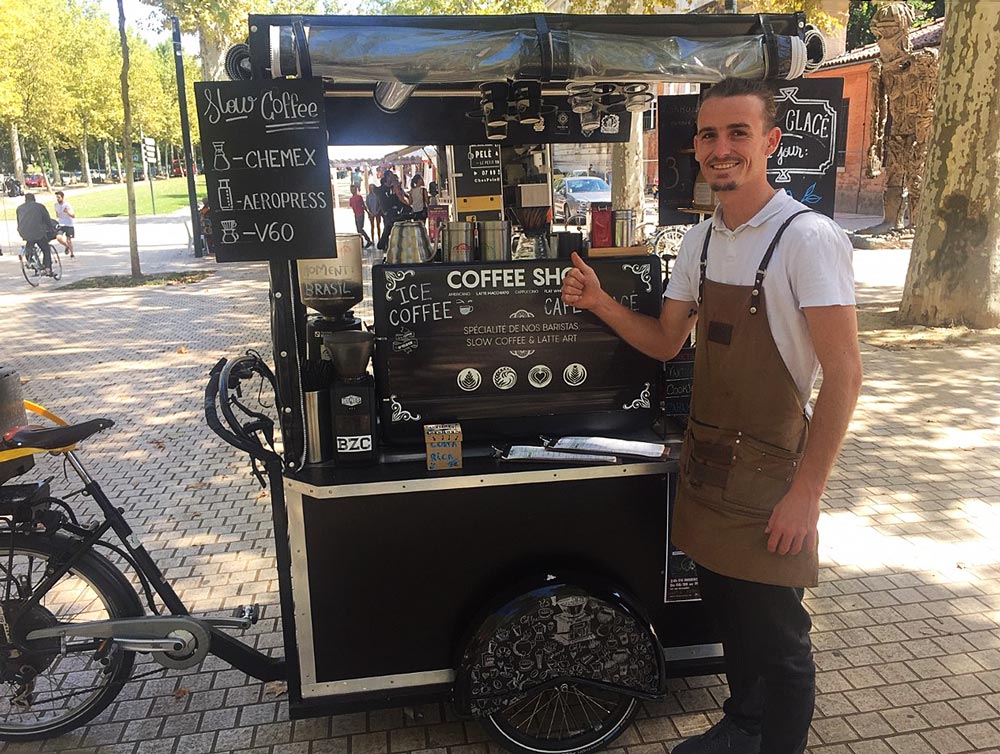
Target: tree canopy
65,98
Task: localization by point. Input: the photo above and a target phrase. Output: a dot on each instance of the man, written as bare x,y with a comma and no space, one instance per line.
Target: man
772,294
64,219
357,203
34,226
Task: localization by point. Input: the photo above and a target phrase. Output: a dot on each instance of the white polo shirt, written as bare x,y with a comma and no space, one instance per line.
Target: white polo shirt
811,266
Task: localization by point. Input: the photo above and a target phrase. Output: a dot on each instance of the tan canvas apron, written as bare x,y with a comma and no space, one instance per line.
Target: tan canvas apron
744,440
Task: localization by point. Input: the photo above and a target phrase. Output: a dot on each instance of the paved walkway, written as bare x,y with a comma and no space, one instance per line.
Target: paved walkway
906,615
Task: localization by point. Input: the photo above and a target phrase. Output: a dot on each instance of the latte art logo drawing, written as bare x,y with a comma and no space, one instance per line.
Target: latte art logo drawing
504,378
469,379
540,376
575,374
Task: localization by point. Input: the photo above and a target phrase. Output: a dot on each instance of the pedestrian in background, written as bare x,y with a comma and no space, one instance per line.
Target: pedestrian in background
374,207
358,205
418,198
65,230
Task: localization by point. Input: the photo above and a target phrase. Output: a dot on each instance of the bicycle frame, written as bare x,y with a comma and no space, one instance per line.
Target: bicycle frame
224,646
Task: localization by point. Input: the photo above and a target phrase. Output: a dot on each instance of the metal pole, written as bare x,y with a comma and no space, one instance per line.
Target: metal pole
186,136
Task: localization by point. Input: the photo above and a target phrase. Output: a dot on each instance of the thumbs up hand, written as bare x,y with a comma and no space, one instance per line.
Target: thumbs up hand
581,287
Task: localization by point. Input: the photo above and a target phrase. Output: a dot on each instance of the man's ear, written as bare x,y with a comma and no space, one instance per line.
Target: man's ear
773,140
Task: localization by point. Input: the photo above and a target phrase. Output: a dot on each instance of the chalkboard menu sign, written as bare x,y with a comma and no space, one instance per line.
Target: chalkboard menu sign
677,124
804,164
267,168
478,181
489,345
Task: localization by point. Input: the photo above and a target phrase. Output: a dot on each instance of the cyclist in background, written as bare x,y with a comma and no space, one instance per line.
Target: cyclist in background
64,218
34,225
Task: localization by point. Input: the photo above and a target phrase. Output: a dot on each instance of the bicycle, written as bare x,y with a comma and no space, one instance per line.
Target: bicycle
70,621
32,267
664,241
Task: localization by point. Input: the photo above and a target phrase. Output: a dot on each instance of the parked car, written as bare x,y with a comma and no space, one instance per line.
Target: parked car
178,169
34,180
575,194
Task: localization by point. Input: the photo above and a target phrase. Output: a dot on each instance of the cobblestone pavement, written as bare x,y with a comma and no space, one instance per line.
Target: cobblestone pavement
906,614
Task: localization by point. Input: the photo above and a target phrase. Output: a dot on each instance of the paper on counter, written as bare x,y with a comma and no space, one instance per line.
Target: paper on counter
610,445
533,453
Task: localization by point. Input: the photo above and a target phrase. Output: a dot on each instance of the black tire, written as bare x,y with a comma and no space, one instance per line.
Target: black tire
44,693
570,718
29,270
56,263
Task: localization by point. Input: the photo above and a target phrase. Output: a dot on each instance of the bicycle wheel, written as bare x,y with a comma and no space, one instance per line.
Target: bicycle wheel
28,268
56,263
570,718
43,692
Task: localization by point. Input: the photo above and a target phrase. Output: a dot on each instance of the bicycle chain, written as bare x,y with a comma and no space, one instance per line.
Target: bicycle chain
70,694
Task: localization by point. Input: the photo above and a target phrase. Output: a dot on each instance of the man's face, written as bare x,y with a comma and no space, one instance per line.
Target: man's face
59,198
732,144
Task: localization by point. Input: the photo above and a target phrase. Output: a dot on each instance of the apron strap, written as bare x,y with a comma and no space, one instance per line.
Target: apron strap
704,264
758,281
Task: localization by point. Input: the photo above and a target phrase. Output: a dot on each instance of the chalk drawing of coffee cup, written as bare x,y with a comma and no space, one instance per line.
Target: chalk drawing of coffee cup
539,376
469,379
504,378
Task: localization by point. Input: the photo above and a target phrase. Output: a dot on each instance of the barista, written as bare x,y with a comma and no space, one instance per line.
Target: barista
394,205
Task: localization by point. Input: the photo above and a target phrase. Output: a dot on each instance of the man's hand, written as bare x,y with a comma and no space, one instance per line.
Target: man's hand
581,287
793,522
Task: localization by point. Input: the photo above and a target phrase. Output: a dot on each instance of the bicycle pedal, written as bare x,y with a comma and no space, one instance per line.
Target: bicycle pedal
248,612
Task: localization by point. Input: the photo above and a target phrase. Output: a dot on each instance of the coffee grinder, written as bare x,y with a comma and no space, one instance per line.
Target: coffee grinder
331,287
355,426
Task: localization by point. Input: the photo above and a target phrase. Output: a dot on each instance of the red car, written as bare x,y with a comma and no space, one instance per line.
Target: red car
34,180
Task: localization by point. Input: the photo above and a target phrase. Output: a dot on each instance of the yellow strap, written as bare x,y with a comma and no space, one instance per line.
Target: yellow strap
34,408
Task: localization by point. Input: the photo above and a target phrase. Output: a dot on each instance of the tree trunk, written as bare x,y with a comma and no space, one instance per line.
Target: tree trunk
118,164
107,159
133,237
85,158
954,272
627,167
15,152
54,161
211,58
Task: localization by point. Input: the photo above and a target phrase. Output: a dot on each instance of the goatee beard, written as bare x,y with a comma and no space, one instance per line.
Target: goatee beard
717,187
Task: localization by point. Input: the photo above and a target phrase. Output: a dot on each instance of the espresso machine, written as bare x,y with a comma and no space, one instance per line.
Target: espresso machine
355,426
331,287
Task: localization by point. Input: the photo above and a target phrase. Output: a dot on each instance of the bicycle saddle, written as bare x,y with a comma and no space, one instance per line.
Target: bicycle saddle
52,438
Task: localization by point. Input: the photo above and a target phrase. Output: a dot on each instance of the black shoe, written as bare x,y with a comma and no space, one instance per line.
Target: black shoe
722,738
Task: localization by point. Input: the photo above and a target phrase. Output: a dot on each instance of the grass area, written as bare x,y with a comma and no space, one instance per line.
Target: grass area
171,195
127,281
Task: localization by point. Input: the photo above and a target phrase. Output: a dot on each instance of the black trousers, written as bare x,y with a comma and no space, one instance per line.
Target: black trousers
769,660
43,246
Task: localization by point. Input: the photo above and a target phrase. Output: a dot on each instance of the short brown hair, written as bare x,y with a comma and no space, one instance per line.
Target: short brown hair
762,90
60,193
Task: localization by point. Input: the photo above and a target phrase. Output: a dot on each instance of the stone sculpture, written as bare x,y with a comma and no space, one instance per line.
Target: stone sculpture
903,84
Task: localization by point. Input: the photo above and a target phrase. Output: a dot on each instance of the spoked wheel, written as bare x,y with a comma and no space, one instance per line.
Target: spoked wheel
571,717
56,263
43,691
29,269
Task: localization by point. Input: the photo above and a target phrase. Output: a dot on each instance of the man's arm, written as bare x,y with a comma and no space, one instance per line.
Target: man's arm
658,338
834,333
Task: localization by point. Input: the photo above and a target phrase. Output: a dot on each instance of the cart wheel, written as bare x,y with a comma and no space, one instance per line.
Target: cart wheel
570,718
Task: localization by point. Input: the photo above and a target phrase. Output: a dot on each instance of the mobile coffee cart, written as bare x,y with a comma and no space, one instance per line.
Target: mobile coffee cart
516,590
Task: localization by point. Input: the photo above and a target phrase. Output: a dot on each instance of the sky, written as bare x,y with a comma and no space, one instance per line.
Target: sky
141,18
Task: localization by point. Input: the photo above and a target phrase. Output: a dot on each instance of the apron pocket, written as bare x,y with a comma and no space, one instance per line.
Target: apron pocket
707,455
761,475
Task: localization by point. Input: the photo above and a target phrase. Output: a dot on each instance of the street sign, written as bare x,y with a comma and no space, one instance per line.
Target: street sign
149,148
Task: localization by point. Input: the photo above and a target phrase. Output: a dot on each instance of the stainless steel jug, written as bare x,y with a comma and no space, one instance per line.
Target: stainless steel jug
408,244
623,224
494,240
457,242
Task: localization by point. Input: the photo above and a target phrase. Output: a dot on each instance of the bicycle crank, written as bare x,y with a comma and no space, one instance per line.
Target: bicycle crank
174,641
